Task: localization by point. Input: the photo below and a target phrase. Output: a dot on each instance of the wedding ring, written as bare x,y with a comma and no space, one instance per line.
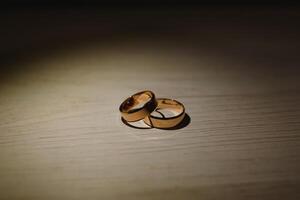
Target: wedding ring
166,122
129,108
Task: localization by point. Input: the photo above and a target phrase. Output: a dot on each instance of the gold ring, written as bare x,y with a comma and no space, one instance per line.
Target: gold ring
129,108
166,122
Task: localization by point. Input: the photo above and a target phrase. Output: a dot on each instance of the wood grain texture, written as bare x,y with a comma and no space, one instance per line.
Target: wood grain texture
61,136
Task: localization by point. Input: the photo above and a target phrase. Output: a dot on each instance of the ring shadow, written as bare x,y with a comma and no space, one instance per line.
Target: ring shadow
185,122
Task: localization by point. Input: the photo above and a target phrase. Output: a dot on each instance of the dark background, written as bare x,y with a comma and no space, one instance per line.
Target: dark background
30,27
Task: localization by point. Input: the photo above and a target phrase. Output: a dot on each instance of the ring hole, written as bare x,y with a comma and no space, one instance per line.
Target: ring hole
139,105
164,113
136,102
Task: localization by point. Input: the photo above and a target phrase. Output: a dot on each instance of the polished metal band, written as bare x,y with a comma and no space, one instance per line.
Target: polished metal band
128,109
166,122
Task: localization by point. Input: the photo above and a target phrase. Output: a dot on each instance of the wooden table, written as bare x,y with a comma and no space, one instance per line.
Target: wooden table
61,136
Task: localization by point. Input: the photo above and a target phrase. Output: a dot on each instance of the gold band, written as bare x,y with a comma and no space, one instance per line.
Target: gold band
128,109
166,122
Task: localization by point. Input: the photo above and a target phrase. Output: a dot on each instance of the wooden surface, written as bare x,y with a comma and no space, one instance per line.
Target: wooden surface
61,136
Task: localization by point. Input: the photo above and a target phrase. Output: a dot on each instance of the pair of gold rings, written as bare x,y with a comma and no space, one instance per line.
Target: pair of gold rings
132,111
